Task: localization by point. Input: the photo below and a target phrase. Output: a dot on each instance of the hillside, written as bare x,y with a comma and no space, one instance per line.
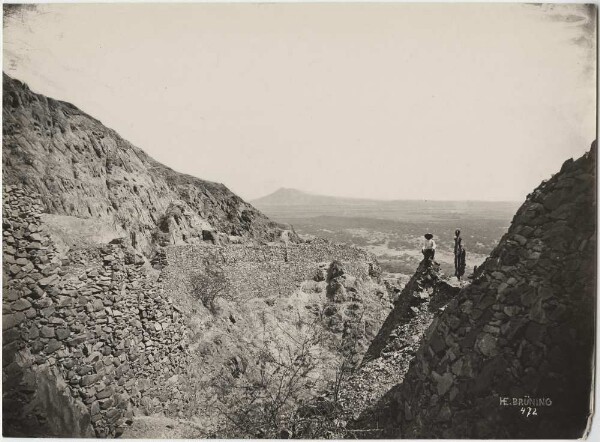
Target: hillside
81,168
98,339
511,355
235,329
95,340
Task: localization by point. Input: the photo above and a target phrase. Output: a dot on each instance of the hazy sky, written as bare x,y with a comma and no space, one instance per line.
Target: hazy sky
444,101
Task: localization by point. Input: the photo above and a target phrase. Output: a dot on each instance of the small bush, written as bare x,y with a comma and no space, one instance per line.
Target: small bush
264,404
209,285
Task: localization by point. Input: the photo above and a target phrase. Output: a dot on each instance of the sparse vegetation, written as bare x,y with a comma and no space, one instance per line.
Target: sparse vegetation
313,286
284,392
209,285
263,403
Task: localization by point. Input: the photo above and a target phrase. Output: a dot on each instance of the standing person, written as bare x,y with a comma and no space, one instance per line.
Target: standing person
428,248
458,255
462,263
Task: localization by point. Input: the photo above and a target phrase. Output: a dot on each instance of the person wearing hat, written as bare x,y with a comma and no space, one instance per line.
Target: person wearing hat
428,247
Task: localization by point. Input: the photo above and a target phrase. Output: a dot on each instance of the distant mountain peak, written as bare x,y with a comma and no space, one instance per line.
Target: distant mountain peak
289,190
285,196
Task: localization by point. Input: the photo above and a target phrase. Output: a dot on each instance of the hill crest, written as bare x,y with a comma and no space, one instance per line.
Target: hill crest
82,168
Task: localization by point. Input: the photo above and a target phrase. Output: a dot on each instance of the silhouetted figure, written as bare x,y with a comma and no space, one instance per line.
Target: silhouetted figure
462,263
459,255
428,248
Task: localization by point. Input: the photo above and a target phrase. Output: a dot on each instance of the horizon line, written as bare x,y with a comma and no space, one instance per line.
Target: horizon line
252,200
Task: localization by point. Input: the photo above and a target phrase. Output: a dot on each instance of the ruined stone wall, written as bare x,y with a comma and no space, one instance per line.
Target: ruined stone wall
511,356
262,270
95,319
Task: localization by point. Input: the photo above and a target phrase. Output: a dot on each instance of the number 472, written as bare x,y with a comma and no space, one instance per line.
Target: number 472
528,411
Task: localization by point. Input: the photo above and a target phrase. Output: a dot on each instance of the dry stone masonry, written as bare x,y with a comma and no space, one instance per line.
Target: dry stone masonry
512,354
106,332
261,270
95,320
93,335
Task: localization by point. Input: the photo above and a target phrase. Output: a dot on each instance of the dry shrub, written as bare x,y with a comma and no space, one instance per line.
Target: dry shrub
209,285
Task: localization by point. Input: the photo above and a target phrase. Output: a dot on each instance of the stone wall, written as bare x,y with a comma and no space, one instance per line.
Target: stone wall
95,318
512,355
106,326
261,270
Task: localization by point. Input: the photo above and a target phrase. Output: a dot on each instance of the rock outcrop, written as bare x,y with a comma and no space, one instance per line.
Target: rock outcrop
81,168
422,296
512,355
387,359
93,334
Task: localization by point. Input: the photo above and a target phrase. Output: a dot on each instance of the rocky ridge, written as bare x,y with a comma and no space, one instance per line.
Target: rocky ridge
427,291
512,354
92,336
81,168
387,358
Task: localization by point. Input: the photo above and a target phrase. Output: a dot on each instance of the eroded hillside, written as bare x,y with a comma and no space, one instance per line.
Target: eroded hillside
98,340
387,359
94,338
81,168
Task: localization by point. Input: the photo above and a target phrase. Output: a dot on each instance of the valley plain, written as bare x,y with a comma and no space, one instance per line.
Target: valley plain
393,230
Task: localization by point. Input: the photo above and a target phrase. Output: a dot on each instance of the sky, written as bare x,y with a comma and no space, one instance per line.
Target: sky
385,101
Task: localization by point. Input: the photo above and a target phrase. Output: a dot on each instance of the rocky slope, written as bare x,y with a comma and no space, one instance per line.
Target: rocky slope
427,287
314,307
81,168
96,337
511,356
386,362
